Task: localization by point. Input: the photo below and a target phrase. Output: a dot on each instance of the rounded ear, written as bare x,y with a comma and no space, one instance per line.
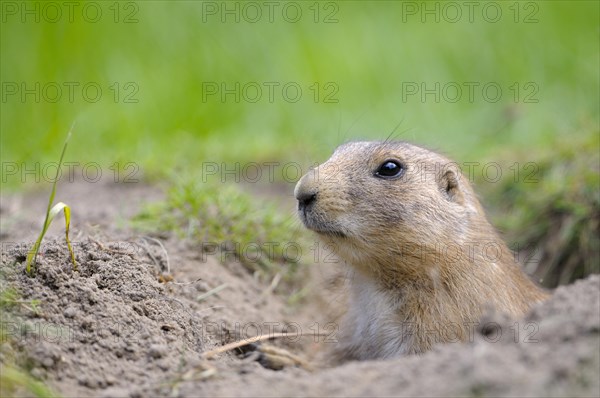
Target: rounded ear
451,186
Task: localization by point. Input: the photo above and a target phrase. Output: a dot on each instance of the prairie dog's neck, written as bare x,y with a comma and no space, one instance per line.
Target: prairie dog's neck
407,320
443,305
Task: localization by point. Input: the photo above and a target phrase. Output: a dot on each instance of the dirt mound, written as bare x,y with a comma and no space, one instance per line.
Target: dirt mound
118,328
554,351
110,324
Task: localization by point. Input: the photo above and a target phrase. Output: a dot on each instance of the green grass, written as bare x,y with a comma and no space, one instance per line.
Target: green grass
550,210
15,382
232,224
169,53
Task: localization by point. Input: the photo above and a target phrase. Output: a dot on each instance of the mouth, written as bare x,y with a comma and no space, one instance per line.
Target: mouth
320,226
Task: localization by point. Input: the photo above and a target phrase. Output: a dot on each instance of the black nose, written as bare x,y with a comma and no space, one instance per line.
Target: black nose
305,199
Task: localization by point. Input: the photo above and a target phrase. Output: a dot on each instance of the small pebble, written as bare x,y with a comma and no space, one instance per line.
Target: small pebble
157,350
48,363
70,312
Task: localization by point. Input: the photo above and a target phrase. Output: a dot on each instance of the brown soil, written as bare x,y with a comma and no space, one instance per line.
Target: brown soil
117,328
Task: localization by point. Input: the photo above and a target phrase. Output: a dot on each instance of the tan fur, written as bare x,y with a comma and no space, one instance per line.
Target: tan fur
426,262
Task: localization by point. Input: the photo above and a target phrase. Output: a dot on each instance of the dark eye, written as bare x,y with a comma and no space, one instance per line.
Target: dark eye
390,169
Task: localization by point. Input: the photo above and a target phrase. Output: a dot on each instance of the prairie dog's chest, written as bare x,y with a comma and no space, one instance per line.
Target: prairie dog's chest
374,326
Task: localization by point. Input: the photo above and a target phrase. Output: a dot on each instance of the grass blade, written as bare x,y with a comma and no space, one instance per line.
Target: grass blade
51,212
67,211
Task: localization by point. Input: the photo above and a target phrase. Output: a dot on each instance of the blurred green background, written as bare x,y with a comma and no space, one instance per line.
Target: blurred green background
164,55
169,85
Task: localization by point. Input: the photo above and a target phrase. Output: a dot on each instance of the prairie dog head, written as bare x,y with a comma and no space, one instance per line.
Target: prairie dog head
371,199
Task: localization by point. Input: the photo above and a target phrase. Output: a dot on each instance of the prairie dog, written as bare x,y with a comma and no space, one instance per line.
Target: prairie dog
425,261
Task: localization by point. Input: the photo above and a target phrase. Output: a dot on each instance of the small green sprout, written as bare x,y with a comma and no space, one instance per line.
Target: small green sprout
16,382
51,212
